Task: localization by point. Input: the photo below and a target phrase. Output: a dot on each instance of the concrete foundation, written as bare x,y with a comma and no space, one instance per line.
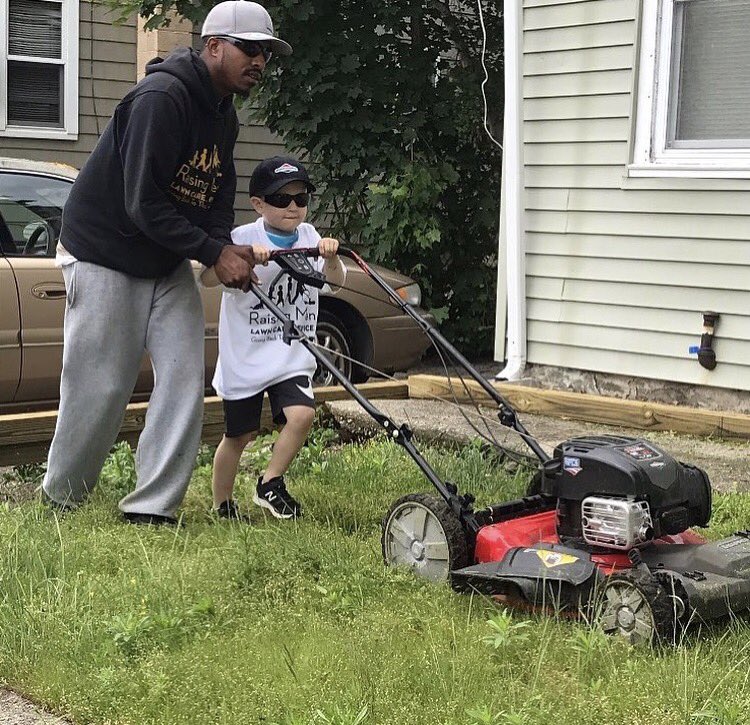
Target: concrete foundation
629,388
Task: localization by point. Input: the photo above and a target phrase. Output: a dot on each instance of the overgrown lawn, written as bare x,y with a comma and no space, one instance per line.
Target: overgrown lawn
301,623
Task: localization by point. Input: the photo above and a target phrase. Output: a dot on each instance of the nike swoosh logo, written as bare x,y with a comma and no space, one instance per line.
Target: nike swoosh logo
308,391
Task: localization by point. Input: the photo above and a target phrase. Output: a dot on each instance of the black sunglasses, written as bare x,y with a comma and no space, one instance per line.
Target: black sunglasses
282,201
251,48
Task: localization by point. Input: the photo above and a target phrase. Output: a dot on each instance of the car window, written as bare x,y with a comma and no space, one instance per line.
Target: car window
31,214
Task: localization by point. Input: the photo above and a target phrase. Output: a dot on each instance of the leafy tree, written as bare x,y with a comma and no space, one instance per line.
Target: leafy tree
385,98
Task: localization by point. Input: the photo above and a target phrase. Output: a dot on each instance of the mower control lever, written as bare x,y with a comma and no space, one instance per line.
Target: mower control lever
296,264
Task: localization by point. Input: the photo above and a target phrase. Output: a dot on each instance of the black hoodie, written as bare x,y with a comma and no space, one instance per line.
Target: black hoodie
159,186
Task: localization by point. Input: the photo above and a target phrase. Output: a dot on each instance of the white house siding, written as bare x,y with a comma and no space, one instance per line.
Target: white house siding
618,269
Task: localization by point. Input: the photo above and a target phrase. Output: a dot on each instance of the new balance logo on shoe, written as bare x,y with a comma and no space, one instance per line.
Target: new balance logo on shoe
273,496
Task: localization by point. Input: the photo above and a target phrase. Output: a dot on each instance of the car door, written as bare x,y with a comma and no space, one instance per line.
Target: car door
10,332
31,206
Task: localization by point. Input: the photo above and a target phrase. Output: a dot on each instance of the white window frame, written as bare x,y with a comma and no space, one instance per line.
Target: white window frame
68,59
651,156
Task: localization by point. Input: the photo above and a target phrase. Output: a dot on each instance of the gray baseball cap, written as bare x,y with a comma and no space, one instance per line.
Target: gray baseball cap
244,20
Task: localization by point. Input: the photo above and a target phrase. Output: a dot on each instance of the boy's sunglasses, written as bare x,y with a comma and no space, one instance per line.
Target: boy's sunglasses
251,48
282,201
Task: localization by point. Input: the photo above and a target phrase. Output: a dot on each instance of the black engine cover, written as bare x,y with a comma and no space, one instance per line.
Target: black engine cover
678,495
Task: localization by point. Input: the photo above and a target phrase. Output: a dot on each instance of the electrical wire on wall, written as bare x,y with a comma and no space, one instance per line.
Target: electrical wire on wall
91,67
486,75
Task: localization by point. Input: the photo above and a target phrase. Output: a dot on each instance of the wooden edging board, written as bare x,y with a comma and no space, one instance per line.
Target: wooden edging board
25,437
591,408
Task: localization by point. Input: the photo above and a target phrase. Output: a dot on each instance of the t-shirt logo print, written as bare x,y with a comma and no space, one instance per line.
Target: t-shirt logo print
197,180
296,302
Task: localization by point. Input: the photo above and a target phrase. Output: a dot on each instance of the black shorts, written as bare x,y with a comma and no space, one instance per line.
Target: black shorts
243,416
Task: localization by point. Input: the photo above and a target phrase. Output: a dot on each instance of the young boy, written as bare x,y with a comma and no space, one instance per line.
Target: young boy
253,358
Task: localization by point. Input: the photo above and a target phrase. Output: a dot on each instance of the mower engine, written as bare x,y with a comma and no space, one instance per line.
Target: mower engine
618,493
615,523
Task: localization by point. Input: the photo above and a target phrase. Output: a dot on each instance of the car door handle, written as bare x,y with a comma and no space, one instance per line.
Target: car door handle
52,291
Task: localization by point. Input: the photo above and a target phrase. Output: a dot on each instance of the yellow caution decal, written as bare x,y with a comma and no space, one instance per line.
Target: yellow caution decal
554,558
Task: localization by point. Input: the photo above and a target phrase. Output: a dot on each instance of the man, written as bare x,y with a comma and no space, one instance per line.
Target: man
157,191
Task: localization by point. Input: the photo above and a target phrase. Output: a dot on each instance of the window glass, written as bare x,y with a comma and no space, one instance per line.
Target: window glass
34,94
34,78
710,90
35,28
31,213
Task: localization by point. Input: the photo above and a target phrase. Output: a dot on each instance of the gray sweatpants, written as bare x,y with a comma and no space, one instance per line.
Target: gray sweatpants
110,319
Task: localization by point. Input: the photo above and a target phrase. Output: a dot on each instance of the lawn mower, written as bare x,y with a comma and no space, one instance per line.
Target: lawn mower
605,530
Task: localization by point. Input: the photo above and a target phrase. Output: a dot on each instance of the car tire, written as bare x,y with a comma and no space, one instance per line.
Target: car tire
331,334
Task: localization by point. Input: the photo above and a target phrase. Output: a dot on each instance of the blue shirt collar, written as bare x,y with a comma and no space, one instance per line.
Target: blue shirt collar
285,241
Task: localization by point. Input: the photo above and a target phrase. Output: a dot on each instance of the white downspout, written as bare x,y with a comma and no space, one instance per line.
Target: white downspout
513,228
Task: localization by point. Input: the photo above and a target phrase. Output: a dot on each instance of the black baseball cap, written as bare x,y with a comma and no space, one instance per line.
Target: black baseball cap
270,175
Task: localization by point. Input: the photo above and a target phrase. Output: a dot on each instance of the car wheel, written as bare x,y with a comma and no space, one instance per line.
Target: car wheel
332,337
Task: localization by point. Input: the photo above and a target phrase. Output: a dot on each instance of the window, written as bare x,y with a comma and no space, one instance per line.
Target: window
31,213
39,68
693,110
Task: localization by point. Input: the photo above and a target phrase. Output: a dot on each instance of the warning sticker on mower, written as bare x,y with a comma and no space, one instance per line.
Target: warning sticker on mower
554,558
641,452
572,465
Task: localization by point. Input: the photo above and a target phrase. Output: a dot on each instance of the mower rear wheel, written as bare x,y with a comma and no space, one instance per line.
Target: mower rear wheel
421,532
637,608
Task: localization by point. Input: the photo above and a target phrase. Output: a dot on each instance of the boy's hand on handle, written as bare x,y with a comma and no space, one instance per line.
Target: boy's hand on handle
262,254
328,247
234,267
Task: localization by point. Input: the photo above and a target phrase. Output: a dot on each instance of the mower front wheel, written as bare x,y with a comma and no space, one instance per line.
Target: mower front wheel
421,532
637,608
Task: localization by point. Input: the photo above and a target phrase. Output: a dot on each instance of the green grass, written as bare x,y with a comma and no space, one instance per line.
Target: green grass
301,623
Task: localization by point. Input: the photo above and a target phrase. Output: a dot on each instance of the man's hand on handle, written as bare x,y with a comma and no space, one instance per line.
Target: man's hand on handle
234,267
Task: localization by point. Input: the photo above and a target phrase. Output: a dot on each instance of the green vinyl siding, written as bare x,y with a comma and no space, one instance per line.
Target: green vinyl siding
619,270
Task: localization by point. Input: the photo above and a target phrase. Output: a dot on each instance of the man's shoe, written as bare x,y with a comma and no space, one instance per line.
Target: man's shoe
148,519
272,495
231,511
59,508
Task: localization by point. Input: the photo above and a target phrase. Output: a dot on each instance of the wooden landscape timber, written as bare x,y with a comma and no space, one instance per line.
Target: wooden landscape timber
591,408
25,437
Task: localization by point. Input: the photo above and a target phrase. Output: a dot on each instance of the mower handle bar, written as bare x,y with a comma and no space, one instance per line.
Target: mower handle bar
508,416
311,252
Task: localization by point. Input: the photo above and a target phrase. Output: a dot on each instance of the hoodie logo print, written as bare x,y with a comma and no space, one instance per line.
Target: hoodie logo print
197,180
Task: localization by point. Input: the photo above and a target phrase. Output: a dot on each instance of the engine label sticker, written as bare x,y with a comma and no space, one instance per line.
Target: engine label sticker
572,465
641,452
554,558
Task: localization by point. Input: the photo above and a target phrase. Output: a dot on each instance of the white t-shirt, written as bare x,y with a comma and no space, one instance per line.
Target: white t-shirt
252,354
